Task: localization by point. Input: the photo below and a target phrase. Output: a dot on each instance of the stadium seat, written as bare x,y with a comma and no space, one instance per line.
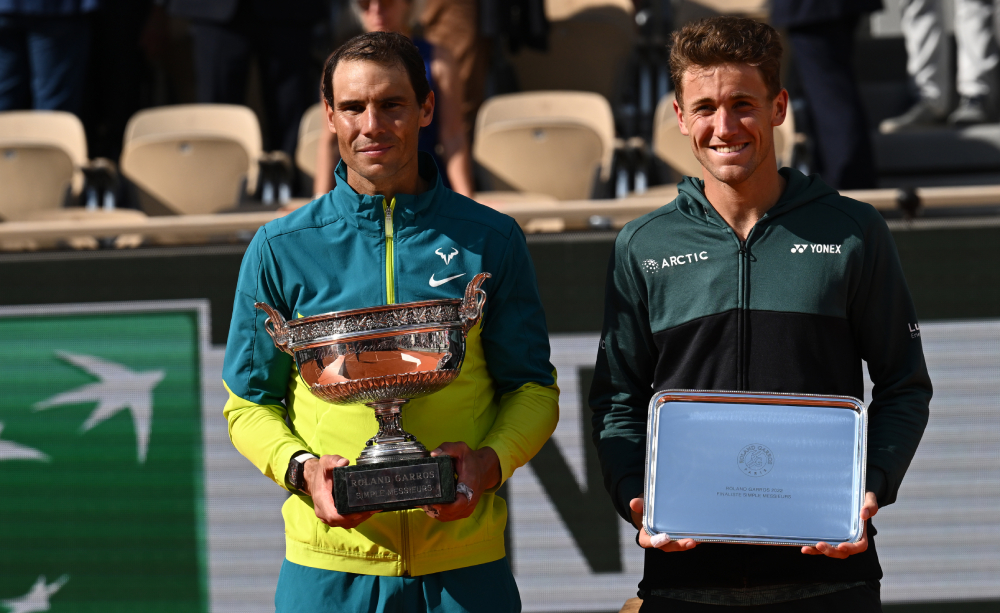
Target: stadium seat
589,42
546,142
192,158
41,156
675,149
312,124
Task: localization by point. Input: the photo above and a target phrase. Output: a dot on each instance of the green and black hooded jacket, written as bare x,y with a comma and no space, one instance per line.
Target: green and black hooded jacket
816,288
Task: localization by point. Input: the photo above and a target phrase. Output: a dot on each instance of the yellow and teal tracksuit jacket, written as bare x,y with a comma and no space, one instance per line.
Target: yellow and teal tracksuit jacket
346,251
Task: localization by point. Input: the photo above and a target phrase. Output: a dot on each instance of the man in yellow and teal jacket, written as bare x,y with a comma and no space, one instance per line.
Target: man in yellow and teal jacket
390,232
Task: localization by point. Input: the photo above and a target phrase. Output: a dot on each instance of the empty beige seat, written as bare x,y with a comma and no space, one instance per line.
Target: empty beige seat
546,142
499,199
310,128
191,158
675,149
589,44
41,154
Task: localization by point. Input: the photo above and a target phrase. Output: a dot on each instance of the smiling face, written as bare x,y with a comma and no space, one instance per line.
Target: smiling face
730,118
377,119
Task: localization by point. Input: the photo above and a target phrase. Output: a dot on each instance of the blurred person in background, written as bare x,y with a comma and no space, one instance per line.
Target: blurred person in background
129,38
445,137
821,33
454,26
226,34
44,45
929,66
376,239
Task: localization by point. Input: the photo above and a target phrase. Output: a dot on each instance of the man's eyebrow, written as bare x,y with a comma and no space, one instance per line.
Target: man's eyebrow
737,95
378,100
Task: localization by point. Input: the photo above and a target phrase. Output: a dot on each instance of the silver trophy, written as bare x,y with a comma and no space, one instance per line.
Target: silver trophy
383,357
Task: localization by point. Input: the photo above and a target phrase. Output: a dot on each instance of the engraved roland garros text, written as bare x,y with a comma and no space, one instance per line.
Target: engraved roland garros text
393,484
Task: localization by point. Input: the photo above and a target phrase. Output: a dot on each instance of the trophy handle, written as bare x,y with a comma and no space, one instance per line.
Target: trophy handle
275,326
472,305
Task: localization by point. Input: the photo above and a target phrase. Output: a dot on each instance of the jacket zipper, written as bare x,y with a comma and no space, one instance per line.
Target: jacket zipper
405,549
743,318
390,298
390,290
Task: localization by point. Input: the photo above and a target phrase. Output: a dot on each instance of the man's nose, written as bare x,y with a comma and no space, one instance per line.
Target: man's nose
372,122
726,123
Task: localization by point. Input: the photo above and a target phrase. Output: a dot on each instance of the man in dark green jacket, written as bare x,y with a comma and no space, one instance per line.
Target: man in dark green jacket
754,279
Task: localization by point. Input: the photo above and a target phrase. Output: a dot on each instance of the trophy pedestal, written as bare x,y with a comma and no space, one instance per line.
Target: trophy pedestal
391,485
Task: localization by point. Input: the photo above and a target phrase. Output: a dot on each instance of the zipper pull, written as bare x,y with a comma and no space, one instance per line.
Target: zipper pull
743,247
388,219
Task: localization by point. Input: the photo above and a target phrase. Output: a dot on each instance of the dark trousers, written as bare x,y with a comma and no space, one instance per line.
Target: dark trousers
861,599
222,53
43,61
843,152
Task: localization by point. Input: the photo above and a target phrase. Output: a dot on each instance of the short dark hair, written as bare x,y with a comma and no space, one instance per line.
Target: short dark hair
725,40
385,48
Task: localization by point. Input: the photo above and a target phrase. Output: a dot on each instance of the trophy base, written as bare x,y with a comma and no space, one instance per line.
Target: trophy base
392,485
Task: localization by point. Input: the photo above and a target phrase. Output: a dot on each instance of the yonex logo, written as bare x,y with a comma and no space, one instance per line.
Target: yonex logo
813,248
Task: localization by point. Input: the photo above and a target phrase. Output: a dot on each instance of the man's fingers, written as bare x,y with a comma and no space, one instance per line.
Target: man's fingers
635,505
841,551
329,462
663,543
455,450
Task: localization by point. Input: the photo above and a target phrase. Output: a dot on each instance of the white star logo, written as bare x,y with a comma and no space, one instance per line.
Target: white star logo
119,388
37,598
9,450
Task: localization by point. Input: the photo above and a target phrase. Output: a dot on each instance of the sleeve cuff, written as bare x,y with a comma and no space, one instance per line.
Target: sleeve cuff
280,467
506,464
628,488
876,483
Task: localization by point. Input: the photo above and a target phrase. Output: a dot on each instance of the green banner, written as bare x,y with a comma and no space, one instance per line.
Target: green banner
101,461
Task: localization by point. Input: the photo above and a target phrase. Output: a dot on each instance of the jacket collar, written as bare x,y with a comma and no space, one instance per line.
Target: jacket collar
366,212
799,190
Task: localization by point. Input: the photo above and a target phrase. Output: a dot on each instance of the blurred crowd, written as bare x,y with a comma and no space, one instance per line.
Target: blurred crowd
104,60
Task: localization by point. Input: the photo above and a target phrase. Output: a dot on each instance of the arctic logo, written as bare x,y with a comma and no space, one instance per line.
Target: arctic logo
446,257
674,260
435,283
816,248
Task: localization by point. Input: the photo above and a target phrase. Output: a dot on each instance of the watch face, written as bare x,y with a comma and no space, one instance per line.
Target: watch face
296,474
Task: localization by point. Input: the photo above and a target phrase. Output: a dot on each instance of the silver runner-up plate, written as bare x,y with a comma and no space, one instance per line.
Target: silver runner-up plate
748,467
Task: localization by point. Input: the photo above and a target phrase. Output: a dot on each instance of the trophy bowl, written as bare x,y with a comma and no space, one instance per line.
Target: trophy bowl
383,356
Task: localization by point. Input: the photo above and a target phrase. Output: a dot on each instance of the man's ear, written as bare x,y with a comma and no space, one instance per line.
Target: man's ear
427,111
329,117
680,118
779,108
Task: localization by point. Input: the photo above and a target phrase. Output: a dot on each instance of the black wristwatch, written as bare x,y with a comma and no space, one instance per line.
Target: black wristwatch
295,475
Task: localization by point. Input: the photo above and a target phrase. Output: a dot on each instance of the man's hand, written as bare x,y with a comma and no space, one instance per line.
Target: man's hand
660,541
318,475
843,550
478,469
